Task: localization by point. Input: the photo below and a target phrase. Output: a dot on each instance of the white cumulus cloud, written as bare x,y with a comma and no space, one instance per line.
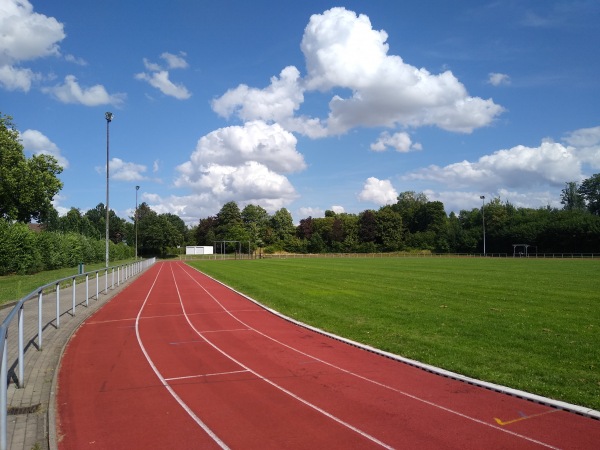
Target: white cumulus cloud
71,92
24,36
401,142
245,163
344,53
343,50
498,79
380,192
124,171
159,77
37,143
549,164
269,145
587,142
278,101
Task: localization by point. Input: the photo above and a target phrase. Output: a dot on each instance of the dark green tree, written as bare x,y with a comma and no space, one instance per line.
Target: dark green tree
206,231
571,198
256,222
367,226
389,229
590,191
27,186
283,226
305,229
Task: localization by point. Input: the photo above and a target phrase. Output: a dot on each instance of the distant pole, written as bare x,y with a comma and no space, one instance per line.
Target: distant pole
137,188
483,218
108,116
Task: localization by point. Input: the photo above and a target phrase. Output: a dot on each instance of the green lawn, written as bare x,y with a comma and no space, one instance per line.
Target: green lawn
530,324
15,287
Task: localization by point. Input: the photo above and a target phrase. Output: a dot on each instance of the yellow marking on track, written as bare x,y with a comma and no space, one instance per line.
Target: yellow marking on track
508,422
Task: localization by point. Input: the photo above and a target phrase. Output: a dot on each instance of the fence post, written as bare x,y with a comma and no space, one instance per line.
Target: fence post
57,305
73,310
87,289
40,327
21,348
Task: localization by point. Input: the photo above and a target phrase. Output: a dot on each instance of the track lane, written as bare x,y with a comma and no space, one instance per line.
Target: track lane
261,382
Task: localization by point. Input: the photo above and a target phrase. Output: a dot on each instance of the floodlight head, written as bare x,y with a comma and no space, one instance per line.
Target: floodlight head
137,188
482,197
109,116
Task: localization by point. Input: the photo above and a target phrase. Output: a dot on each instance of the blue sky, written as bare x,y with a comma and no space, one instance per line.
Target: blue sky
305,105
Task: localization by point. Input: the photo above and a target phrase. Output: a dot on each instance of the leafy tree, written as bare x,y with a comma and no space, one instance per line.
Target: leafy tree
305,229
571,198
157,233
179,227
316,244
71,222
27,186
52,220
256,221
323,226
206,231
228,216
590,191
389,229
97,217
367,226
408,204
283,225
350,242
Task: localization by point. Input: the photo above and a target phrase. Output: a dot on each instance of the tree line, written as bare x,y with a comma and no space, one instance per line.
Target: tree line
413,223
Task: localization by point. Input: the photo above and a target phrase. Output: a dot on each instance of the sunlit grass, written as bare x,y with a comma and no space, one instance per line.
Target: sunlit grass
530,324
14,287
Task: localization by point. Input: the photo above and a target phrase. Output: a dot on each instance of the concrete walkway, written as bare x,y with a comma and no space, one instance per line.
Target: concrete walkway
30,419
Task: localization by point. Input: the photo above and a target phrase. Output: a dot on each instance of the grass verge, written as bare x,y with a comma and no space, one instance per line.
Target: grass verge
15,287
530,324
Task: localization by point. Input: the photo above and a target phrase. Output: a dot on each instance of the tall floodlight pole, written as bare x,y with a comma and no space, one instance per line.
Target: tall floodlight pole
109,117
483,219
137,188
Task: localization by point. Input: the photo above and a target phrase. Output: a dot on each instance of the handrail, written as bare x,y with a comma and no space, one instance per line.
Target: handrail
124,272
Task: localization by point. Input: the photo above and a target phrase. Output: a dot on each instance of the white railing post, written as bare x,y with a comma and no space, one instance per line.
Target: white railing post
73,310
21,374
57,305
40,326
87,289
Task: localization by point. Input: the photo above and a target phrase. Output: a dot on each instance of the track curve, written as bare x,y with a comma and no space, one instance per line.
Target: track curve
178,360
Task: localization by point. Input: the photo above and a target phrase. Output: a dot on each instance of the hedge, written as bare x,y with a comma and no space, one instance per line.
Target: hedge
24,251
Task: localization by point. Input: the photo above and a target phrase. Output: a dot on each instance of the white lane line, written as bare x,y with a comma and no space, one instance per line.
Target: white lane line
206,375
406,394
186,408
275,385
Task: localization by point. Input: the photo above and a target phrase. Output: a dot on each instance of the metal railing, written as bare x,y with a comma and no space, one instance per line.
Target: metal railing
118,274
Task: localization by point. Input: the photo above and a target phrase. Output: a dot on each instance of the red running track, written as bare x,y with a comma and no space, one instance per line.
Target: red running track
178,360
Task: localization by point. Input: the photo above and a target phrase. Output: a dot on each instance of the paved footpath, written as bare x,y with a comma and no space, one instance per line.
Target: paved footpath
29,411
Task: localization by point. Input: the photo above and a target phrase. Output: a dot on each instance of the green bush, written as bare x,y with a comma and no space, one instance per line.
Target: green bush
25,251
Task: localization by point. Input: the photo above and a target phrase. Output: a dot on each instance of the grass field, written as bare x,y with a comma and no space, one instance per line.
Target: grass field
14,287
530,324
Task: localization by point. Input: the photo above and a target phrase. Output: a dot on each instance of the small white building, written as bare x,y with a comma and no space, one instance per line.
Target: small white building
198,250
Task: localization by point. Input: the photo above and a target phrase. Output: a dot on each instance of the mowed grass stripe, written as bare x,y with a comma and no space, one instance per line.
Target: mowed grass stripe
531,324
